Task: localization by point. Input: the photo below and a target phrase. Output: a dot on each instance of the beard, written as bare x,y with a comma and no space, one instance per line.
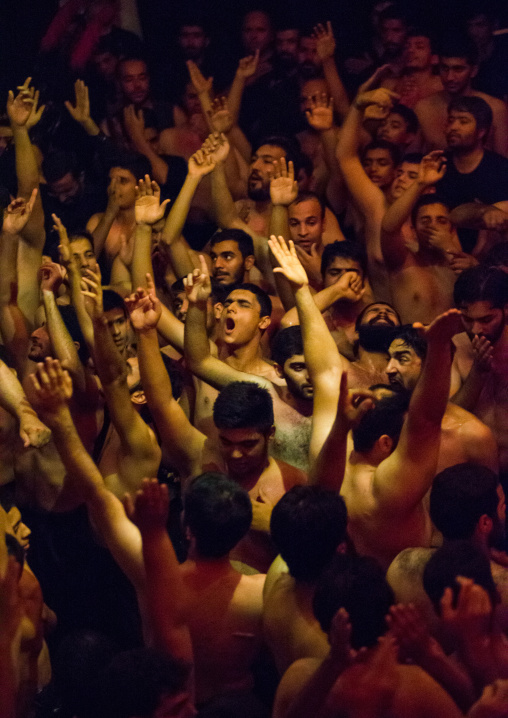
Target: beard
258,193
375,338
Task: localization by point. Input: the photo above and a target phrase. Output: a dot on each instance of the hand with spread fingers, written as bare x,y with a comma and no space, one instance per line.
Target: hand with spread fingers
289,264
148,208
283,186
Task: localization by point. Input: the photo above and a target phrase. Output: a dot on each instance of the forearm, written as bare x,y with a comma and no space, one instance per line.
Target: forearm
470,215
27,169
235,96
322,299
154,377
321,353
142,256
78,302
196,342
350,134
329,466
448,674
61,341
12,397
179,210
400,211
109,364
222,201
430,397
279,227
237,139
469,393
337,89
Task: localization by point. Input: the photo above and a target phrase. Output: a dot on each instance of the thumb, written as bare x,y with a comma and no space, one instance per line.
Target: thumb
165,203
24,438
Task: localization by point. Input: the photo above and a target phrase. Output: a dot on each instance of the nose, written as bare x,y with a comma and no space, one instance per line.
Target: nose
236,454
476,328
390,368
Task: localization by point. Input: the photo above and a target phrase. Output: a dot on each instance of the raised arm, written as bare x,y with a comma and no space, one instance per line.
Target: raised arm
165,590
247,68
325,47
321,354
139,448
417,451
283,191
134,124
53,389
182,441
476,215
432,169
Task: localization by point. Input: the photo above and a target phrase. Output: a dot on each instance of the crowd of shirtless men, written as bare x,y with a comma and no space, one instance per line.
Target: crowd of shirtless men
253,392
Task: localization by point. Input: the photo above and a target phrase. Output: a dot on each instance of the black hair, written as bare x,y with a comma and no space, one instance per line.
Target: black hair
458,45
220,292
411,338
386,417
178,286
243,405
477,107
264,301
14,548
218,512
243,240
57,164
481,284
286,343
150,119
70,319
133,162
306,196
425,201
133,57
392,12
420,31
408,115
497,255
457,558
412,158
136,680
82,234
392,150
290,146
307,525
348,249
358,584
460,496
113,300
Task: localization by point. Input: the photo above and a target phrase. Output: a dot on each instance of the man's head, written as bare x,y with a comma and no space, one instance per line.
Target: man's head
261,167
430,212
380,160
232,254
406,174
243,415
64,181
418,51
400,127
481,294
467,502
468,124
306,217
378,314
82,251
134,80
392,31
40,344
245,315
309,62
379,430
309,90
406,355
179,301
457,558
290,364
497,257
341,258
375,326
480,24
287,38
117,320
257,33
457,64
193,40
14,524
105,58
126,170
217,512
357,584
307,526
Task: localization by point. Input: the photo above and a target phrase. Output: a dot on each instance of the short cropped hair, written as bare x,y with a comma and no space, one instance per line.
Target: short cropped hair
392,150
243,240
386,417
135,163
348,249
458,45
460,496
82,234
457,558
411,338
307,525
306,196
218,512
286,343
481,284
497,256
112,300
357,584
425,201
265,303
408,115
58,163
290,146
243,405
477,107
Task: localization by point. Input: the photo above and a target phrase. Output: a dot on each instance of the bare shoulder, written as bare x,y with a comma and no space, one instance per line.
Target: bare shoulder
292,682
495,103
94,221
291,476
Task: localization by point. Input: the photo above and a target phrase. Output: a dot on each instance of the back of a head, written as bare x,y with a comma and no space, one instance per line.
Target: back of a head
243,240
460,496
347,249
57,164
243,405
307,525
457,558
386,417
481,284
218,512
497,256
286,343
358,584
136,680
475,106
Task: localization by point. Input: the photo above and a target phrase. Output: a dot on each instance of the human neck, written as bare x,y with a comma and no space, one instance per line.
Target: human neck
249,480
263,206
302,406
373,361
420,74
212,565
245,356
126,215
345,312
468,160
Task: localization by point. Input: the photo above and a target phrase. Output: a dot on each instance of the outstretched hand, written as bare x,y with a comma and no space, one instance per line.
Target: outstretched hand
248,65
432,168
283,186
200,164
201,84
198,285
91,287
216,146
320,113
21,105
354,404
289,264
148,208
52,387
325,41
144,307
18,213
443,328
221,119
148,508
80,110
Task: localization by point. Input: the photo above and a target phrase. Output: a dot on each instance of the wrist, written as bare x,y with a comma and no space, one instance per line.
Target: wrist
90,127
57,416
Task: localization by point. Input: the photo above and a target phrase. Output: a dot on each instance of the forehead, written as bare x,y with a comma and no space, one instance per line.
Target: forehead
67,180
433,210
409,167
133,67
344,263
419,41
478,309
393,23
295,359
287,34
192,30
121,173
308,43
461,115
227,245
376,308
237,435
113,315
398,346
454,62
14,515
256,20
378,154
81,244
307,208
270,152
395,118
243,295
